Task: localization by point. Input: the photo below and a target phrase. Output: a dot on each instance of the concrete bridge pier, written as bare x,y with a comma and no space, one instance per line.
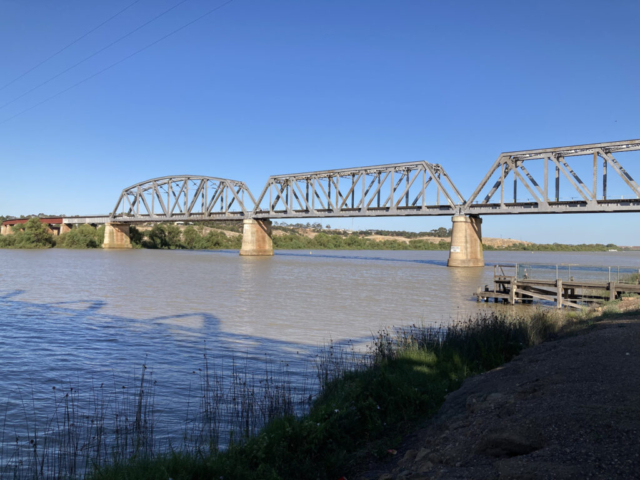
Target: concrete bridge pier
116,236
466,242
256,238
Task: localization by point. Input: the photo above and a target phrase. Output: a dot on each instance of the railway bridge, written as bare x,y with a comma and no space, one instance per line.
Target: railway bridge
548,180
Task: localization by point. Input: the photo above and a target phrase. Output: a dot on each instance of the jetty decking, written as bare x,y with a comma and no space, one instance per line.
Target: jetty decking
565,285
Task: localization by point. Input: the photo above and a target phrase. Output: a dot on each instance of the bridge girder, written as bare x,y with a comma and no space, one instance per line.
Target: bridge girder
511,166
184,197
397,189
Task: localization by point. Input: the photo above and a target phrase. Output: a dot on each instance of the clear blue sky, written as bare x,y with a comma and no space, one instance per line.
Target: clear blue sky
275,86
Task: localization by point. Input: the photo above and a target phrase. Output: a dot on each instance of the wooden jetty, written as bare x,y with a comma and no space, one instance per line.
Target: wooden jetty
530,282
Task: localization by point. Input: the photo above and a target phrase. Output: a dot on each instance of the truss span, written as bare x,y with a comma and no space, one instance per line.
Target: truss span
557,167
398,189
544,181
184,198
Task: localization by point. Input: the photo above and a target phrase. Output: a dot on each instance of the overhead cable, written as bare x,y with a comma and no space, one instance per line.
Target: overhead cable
68,45
119,61
92,55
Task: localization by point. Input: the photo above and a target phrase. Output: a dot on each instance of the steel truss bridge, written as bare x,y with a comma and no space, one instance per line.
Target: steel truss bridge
396,189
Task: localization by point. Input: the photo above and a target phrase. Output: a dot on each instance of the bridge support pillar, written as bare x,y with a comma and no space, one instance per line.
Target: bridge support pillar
466,242
116,236
256,238
64,228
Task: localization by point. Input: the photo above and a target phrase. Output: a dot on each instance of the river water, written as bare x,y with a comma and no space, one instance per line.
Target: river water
72,317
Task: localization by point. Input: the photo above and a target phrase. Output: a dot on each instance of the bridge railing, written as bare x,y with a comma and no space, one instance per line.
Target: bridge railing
574,273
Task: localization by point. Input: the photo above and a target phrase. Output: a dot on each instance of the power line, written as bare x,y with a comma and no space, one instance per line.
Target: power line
69,45
93,54
119,61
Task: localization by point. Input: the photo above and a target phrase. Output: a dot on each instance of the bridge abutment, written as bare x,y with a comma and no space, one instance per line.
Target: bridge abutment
116,236
466,242
256,238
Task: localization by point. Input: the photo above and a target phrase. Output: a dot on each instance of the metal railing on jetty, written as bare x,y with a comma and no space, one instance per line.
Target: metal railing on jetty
570,285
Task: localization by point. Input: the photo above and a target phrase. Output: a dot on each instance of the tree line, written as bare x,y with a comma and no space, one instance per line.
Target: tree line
34,234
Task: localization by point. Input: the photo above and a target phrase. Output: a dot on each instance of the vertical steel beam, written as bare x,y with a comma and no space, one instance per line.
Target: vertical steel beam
503,167
546,179
406,199
353,190
515,182
424,186
604,178
186,196
557,183
595,176
168,212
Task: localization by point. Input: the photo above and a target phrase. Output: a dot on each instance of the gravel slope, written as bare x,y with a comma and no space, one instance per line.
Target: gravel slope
566,409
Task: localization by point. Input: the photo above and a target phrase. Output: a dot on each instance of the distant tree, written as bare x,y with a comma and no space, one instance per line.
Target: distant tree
33,234
191,238
156,237
136,236
174,236
84,236
328,226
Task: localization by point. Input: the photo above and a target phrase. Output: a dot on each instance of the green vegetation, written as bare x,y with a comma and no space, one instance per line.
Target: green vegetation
557,247
170,236
363,410
84,236
32,234
324,241
436,232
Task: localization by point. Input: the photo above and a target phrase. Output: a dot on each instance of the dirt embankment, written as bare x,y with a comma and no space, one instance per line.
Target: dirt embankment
494,242
566,409
200,229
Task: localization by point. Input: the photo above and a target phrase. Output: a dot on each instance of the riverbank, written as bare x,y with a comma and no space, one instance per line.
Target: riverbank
568,408
207,237
362,416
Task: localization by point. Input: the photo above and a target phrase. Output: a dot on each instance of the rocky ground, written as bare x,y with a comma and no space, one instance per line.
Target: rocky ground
566,409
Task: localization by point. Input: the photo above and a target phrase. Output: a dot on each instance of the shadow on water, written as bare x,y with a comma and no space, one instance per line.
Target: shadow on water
47,344
69,322
79,346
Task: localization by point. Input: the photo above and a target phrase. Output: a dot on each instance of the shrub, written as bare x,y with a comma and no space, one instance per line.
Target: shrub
33,234
84,236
